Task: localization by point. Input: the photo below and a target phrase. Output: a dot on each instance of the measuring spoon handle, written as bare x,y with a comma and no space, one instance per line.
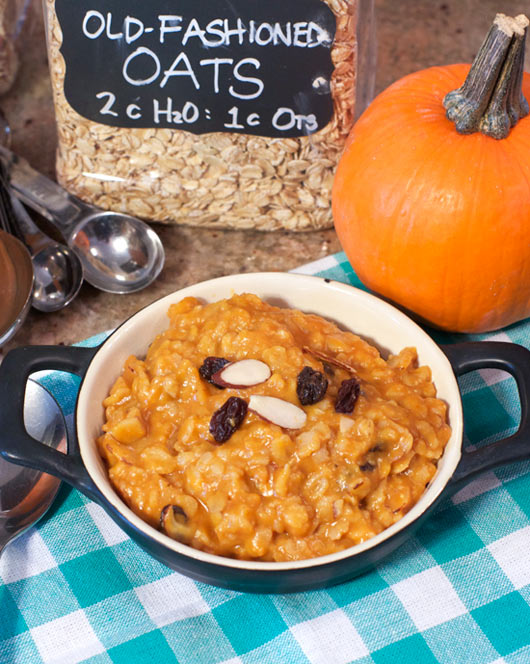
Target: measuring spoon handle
26,229
41,194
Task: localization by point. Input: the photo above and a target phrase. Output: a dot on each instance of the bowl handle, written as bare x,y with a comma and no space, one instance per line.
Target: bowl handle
16,445
514,359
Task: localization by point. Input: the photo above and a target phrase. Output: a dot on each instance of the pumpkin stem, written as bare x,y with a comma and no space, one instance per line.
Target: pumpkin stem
491,99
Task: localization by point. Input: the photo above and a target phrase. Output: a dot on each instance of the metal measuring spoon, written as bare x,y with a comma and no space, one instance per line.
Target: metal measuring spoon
119,253
25,493
58,270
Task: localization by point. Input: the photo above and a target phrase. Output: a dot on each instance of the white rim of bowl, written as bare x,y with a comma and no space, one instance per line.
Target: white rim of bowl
236,284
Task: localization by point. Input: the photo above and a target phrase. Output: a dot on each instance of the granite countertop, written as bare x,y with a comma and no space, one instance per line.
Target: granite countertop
412,34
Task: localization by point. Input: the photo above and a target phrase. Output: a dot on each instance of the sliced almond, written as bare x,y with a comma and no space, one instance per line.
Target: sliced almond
283,413
330,360
243,373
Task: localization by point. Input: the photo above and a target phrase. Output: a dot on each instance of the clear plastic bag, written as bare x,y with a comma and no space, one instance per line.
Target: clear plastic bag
229,114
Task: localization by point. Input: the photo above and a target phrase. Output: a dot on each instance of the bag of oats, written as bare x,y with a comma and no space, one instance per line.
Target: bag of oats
228,113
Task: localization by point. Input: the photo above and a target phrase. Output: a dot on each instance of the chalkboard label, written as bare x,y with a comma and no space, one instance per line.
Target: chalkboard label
258,67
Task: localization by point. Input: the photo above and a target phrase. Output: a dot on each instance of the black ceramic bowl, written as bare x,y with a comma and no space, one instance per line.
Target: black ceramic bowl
366,315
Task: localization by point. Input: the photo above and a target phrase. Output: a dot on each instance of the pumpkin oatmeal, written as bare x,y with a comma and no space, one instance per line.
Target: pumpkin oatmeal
257,432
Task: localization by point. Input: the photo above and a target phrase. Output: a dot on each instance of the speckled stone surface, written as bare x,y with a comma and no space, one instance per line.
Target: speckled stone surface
412,35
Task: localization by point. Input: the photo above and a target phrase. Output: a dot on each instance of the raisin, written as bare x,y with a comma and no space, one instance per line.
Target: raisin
228,418
174,522
172,513
311,386
347,395
367,467
211,366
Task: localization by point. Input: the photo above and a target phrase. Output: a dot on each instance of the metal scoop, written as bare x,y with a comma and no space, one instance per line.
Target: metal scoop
119,253
58,270
26,494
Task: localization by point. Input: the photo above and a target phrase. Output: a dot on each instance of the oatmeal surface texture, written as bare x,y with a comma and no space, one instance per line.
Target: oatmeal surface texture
270,493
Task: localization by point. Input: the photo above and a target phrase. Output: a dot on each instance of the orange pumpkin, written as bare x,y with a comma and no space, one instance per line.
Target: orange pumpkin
432,219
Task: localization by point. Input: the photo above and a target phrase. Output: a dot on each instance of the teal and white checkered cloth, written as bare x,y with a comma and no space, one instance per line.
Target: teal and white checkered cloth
76,588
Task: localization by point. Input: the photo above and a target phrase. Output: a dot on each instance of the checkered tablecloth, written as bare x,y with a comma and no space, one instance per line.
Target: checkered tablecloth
76,588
